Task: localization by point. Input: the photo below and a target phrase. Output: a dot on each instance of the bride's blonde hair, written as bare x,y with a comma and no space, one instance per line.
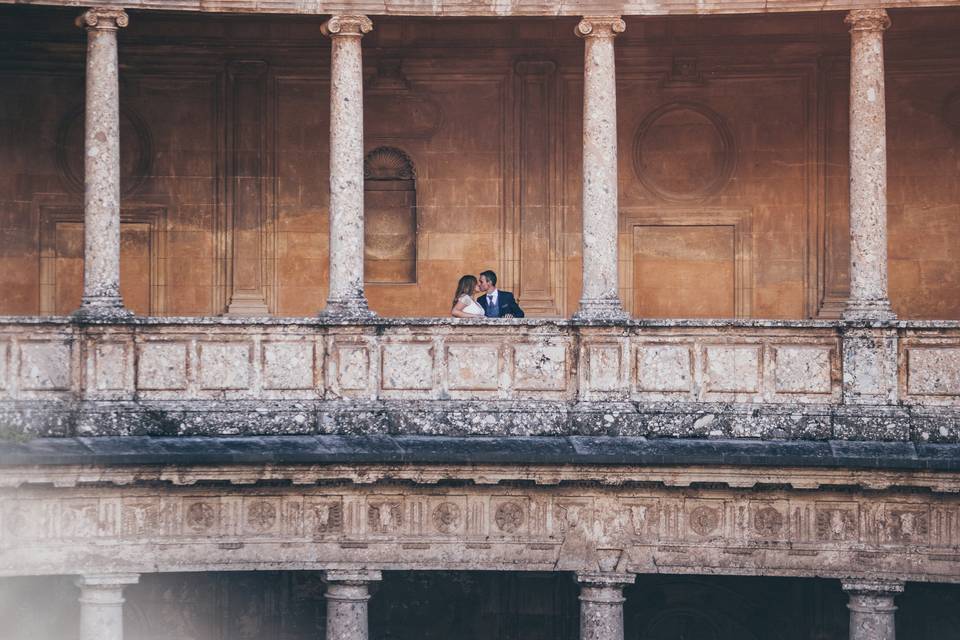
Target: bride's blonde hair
466,285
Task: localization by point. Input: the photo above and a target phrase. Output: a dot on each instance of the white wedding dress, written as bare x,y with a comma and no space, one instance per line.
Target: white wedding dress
470,306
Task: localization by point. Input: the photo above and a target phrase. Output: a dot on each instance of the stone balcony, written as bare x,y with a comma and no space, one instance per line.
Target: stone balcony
801,380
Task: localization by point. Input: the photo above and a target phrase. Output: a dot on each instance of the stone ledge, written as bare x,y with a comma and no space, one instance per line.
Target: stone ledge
383,449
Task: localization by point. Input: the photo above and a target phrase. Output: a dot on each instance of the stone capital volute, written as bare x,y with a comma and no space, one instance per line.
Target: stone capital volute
348,25
600,27
103,19
867,20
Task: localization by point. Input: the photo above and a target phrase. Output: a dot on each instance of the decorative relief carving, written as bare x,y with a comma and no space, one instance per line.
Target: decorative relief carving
103,18
704,520
836,523
868,20
768,522
906,525
347,25
325,517
200,517
385,517
509,517
684,151
600,27
446,517
261,515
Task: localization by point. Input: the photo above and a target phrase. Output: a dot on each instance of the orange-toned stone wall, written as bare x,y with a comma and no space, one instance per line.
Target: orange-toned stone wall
732,147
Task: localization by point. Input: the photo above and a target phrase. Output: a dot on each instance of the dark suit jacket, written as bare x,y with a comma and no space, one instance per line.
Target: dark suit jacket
506,302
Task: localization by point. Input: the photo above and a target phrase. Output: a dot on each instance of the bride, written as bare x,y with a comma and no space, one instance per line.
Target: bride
464,306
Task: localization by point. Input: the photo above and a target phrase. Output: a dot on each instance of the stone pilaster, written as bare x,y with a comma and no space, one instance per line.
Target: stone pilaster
101,605
872,609
346,298
601,604
101,180
869,297
347,595
600,298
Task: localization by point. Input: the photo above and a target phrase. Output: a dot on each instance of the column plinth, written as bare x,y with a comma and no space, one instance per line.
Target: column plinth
101,605
601,604
869,296
347,595
346,299
872,609
101,176
600,298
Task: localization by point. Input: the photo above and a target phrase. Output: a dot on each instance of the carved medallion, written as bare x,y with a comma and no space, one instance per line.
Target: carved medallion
907,526
261,515
509,517
684,151
446,517
767,522
200,516
136,152
704,520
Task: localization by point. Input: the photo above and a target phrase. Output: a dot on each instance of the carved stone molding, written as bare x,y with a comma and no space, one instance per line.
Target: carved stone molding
347,25
103,19
686,181
600,27
867,20
873,587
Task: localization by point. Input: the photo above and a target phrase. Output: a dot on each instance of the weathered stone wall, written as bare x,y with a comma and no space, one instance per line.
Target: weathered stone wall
732,144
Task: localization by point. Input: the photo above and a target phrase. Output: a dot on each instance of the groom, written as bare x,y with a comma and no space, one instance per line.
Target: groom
496,303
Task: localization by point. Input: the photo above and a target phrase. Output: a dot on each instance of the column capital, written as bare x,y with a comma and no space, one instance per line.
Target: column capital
352,576
878,588
603,587
347,25
107,580
103,19
600,27
867,20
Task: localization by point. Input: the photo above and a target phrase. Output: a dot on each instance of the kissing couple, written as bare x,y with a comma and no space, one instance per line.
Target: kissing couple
492,304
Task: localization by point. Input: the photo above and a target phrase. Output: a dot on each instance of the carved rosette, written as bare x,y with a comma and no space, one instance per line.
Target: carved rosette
867,20
103,19
350,25
600,27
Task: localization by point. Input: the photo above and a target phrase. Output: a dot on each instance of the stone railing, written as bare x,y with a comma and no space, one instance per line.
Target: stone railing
775,379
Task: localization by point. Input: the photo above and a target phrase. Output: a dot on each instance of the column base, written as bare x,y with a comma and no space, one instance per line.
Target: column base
601,310
103,310
247,305
350,309
878,310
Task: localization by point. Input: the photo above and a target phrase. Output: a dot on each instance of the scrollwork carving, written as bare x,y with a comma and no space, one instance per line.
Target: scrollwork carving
600,27
347,25
868,20
103,19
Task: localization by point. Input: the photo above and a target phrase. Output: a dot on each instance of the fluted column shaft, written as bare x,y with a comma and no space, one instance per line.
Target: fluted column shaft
101,605
869,296
872,609
348,593
346,297
601,605
600,298
101,178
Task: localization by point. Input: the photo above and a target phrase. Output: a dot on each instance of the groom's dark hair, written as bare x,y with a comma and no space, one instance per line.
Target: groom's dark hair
490,276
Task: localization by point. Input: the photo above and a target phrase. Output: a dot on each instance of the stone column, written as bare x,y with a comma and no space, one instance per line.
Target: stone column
101,179
600,298
347,595
869,298
101,605
346,298
601,605
871,609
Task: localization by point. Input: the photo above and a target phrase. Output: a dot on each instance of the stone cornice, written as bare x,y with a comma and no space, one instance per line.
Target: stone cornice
497,7
103,19
867,20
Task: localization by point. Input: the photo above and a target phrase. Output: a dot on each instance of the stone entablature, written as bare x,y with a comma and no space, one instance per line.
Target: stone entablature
636,520
772,379
503,8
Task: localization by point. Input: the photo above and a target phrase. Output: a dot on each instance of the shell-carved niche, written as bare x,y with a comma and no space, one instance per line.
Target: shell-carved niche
390,210
684,151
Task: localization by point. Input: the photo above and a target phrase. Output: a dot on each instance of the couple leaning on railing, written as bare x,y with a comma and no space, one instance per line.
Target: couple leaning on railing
493,303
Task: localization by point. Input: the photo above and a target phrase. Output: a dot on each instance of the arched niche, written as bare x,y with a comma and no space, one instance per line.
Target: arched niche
390,210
